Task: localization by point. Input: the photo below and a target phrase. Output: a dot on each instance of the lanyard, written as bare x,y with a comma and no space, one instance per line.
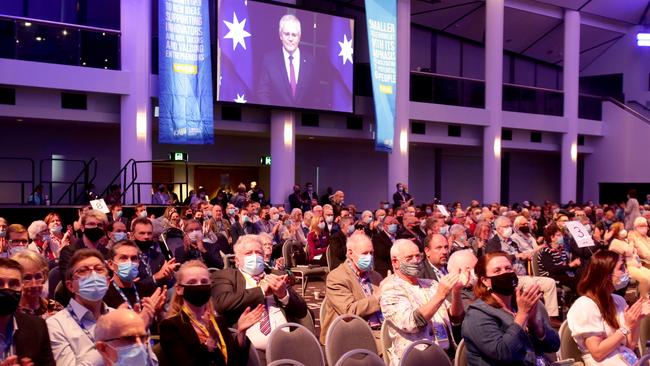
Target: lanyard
76,319
206,332
6,352
126,300
147,267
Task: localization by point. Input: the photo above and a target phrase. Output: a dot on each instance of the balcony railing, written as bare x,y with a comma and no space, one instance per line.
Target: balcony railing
59,43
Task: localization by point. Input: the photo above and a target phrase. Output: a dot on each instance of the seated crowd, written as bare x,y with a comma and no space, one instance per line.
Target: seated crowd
497,277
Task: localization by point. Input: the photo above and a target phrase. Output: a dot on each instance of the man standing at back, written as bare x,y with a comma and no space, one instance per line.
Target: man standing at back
287,74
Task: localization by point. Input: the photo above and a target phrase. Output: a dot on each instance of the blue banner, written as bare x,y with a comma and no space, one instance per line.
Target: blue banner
185,73
381,19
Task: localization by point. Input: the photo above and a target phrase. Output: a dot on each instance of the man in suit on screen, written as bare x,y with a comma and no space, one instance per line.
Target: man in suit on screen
287,77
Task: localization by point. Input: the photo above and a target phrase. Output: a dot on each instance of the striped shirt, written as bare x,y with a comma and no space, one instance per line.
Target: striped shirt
558,256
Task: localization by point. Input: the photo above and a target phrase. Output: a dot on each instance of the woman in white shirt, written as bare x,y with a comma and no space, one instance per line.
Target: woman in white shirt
604,327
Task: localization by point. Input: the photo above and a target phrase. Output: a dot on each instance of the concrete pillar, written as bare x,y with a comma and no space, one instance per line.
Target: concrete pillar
283,155
493,100
135,113
398,160
571,82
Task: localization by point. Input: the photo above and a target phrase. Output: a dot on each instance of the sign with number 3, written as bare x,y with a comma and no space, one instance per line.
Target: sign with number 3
580,234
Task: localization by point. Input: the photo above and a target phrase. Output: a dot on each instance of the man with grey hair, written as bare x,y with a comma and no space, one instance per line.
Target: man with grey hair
418,308
353,287
457,238
288,74
121,338
502,242
247,286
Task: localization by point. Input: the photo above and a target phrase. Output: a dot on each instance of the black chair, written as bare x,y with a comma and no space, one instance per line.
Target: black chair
172,238
302,272
53,280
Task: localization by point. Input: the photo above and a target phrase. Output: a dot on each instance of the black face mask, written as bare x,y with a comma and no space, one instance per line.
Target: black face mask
525,229
94,233
188,216
9,300
197,295
505,283
144,245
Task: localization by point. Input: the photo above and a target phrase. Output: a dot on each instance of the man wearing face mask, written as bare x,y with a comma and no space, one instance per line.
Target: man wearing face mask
401,198
522,235
382,242
353,288
331,227
195,248
418,308
3,231
72,330
92,223
17,239
116,232
154,270
235,289
122,339
124,260
502,242
337,242
24,339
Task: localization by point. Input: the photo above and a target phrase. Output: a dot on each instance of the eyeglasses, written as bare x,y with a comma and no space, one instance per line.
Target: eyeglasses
18,241
38,277
85,271
133,339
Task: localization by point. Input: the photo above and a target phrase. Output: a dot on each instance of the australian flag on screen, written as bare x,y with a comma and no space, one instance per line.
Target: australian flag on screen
235,83
341,55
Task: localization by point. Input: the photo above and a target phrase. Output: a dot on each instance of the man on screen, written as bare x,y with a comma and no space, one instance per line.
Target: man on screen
287,76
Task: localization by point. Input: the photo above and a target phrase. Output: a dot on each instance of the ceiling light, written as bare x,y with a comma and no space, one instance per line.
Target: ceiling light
643,39
39,39
65,32
28,24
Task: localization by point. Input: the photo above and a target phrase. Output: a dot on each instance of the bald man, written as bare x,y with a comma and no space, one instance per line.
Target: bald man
353,287
121,338
463,262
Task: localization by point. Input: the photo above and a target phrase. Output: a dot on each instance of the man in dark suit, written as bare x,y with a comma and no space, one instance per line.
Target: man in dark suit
401,198
337,242
308,196
288,74
382,242
23,335
436,251
247,286
295,199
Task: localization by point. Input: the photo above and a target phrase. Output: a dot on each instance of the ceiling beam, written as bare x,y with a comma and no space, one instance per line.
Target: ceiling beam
463,17
645,13
444,8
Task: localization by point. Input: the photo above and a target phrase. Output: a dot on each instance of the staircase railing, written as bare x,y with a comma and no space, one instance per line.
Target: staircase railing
25,184
72,191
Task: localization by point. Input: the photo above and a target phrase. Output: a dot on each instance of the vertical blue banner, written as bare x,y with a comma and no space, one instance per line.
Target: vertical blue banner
185,73
381,19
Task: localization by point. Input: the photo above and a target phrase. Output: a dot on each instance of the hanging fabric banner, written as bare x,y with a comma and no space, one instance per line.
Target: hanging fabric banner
381,19
185,73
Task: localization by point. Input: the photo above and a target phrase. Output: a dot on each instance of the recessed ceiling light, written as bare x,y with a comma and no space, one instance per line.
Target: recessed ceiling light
28,24
310,137
19,119
65,32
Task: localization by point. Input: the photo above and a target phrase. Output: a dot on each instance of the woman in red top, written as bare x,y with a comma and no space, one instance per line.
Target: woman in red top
317,240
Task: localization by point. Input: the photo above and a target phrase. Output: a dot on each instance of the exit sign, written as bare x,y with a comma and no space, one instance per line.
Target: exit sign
178,156
265,160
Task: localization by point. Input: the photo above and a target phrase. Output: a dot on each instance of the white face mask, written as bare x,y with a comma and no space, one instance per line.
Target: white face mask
507,232
195,236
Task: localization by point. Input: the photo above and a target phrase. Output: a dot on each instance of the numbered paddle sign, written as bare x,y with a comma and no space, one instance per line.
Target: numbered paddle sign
580,234
99,205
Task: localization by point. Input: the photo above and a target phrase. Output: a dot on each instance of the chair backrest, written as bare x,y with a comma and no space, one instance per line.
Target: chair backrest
172,238
308,321
287,251
213,270
424,352
328,256
568,346
644,336
285,362
54,278
461,354
160,355
534,263
347,332
360,357
321,313
385,340
295,342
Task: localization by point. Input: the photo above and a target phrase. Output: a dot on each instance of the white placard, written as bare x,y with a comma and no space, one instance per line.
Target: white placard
443,210
99,205
580,234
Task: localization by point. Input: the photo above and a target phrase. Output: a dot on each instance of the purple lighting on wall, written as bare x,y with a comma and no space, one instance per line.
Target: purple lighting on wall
643,39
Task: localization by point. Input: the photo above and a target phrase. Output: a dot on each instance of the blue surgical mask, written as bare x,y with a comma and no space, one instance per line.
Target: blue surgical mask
365,262
56,229
119,213
392,228
143,214
132,355
245,219
350,229
560,241
253,264
93,287
368,220
119,236
46,237
321,225
443,231
127,271
623,281
3,233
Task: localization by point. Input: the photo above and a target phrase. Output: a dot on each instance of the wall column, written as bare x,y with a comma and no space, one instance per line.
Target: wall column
571,82
493,100
398,159
283,155
135,112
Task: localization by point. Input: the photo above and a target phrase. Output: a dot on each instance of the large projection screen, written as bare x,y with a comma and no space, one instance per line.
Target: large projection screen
280,56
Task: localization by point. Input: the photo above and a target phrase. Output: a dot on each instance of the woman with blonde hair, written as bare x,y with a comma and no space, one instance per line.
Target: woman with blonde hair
628,251
192,334
33,300
317,240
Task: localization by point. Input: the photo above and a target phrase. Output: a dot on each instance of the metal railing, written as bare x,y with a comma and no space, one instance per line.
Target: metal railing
628,109
73,193
24,183
60,43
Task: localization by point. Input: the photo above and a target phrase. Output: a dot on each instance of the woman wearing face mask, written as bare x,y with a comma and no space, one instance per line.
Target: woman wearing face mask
34,299
506,325
553,261
58,239
627,250
193,334
195,248
480,238
604,327
639,238
39,233
317,240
